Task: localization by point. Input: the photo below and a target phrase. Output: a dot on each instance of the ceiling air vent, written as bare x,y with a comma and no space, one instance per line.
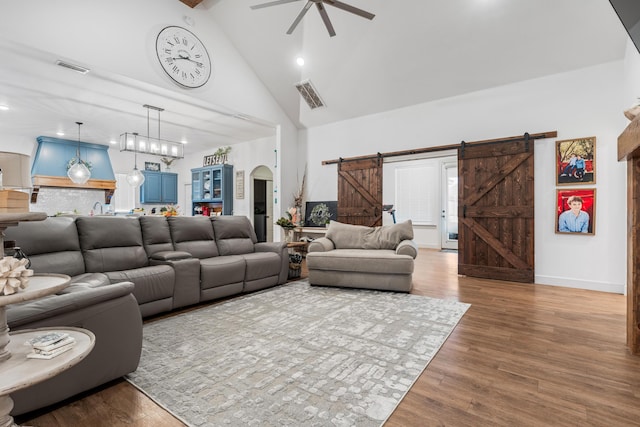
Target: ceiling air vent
309,94
76,68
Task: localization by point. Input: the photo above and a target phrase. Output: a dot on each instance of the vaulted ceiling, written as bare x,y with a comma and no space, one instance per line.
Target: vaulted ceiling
414,51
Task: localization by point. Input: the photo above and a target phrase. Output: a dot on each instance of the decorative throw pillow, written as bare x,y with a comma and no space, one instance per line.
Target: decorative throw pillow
347,236
389,236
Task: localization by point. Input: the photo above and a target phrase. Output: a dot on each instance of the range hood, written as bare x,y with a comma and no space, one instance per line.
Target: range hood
49,168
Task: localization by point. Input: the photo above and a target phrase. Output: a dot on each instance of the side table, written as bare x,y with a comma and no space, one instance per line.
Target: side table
19,372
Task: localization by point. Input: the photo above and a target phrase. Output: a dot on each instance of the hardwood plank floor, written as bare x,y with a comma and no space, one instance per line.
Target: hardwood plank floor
523,355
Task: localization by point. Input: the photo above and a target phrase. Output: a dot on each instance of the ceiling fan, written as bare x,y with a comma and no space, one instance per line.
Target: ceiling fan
323,13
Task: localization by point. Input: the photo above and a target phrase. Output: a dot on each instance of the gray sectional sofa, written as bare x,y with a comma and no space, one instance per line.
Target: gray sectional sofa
125,269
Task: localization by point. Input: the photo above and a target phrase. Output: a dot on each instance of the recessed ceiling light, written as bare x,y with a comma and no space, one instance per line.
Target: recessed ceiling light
300,61
4,108
113,141
60,133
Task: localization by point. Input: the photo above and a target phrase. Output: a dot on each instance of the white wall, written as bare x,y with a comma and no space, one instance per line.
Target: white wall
118,36
586,102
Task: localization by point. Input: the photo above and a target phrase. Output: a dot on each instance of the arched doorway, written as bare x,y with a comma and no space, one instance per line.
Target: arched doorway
262,202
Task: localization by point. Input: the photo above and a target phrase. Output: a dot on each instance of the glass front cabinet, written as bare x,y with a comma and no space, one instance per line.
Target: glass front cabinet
212,190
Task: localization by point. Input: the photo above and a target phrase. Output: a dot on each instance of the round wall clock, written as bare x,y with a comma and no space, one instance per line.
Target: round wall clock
183,57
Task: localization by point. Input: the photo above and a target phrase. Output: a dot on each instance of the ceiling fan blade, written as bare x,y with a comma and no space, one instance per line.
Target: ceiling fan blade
325,19
304,10
271,3
349,8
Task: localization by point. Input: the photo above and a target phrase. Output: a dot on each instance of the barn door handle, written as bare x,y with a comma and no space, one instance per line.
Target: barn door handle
464,211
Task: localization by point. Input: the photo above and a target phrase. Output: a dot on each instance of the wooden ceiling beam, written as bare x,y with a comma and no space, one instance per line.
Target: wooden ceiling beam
191,3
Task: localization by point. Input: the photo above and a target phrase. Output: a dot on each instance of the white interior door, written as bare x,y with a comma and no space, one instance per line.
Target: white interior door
449,235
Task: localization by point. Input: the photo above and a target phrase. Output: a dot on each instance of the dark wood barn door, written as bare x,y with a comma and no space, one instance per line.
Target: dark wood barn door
496,210
360,192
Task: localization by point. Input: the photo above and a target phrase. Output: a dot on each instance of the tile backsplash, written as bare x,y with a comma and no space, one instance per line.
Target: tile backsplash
53,200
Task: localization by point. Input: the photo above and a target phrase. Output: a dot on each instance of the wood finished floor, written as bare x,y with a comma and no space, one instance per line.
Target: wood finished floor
523,355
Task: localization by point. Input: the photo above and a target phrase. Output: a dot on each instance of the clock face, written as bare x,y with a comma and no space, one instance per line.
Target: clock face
183,57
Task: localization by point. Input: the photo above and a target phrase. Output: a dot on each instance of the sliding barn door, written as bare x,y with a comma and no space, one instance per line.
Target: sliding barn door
360,192
495,210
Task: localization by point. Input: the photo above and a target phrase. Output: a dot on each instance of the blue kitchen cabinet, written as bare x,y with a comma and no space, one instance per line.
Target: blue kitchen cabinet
212,188
159,187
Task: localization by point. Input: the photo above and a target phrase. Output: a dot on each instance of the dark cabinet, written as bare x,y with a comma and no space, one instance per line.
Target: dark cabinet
159,187
212,190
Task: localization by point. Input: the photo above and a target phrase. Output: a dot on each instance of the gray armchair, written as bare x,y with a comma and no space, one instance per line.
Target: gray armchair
356,256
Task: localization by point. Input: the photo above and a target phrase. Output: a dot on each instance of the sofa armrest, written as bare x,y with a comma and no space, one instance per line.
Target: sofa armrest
55,305
270,247
321,244
281,249
170,255
186,290
407,247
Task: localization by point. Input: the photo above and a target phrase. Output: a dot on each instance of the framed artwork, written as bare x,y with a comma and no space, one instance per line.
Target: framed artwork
576,211
150,166
576,161
318,214
240,184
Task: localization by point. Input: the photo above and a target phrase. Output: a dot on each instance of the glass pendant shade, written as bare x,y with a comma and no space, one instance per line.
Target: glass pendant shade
135,178
79,173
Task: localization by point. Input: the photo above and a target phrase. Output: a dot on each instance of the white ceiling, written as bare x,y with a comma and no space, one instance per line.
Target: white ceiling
413,51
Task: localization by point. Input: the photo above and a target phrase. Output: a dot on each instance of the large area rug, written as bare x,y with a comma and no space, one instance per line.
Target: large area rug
293,355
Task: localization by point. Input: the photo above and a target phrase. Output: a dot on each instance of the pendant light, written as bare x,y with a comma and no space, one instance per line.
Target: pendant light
78,172
135,178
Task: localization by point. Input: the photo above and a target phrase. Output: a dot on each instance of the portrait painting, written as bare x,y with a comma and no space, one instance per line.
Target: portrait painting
576,211
576,161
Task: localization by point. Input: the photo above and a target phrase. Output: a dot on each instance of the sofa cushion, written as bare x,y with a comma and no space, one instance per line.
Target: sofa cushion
52,245
152,283
261,265
156,235
111,243
375,261
348,236
234,234
193,235
220,271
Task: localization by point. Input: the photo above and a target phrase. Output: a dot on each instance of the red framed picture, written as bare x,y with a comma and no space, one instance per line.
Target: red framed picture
576,211
576,161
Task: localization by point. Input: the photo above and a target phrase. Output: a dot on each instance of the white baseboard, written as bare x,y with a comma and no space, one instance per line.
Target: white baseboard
581,284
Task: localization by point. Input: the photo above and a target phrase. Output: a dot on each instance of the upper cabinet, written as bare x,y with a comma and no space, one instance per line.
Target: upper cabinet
213,185
159,187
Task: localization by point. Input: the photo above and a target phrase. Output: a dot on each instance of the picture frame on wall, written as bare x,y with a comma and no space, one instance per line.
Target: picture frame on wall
576,161
151,166
576,211
318,214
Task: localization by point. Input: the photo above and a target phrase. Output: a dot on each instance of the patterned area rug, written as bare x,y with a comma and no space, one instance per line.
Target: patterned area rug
293,355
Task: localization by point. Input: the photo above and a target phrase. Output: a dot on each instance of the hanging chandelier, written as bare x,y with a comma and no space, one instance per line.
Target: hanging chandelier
79,173
151,145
